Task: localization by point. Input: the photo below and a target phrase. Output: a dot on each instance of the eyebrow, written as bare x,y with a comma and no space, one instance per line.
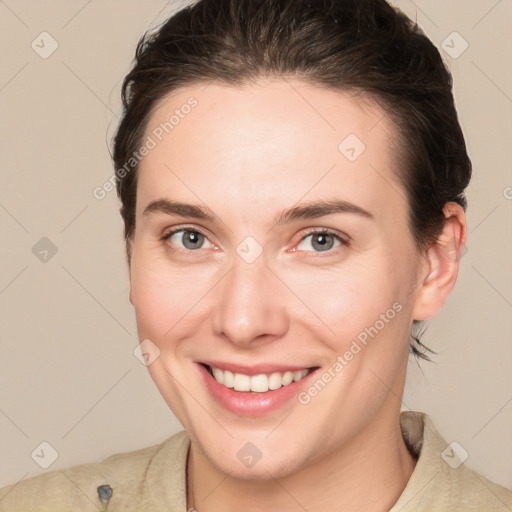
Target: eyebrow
181,209
308,210
315,209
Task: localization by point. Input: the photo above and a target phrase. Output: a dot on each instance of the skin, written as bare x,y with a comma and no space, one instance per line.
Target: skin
247,154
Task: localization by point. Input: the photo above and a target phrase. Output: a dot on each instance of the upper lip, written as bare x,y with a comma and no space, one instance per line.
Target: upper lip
255,369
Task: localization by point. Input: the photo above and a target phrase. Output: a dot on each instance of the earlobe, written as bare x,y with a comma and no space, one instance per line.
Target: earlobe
441,264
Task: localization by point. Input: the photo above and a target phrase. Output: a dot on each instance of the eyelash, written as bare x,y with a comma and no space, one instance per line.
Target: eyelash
344,240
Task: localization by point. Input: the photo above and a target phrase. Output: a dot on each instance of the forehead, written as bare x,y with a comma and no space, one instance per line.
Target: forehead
269,145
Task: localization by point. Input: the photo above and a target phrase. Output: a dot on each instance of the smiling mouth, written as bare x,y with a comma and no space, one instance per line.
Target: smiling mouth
261,383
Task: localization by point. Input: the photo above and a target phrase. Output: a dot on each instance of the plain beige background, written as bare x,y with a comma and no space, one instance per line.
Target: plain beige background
69,376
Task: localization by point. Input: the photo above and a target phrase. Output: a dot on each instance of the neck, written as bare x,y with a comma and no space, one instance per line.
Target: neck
367,474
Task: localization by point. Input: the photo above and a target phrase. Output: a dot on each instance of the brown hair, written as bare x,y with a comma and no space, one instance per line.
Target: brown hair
363,46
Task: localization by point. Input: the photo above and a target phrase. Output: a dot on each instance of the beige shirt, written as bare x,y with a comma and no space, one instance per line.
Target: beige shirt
154,479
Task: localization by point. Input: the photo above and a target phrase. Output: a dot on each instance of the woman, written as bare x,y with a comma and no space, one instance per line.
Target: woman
292,181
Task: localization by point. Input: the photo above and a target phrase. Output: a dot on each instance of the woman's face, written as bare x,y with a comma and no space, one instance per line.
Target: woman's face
291,251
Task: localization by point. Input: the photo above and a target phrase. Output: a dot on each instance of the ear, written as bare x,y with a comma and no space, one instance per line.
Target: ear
441,264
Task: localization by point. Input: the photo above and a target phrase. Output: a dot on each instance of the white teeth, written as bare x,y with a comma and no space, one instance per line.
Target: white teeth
257,383
287,378
242,382
275,381
297,375
228,379
218,374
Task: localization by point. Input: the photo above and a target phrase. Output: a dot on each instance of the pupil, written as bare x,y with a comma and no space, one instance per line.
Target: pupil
191,239
323,240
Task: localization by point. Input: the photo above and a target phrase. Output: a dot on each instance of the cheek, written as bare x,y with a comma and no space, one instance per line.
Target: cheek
349,298
166,297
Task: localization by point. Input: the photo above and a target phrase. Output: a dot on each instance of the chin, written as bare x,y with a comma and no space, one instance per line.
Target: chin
244,459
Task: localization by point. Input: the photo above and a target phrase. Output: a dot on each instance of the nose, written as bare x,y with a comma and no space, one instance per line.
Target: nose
250,304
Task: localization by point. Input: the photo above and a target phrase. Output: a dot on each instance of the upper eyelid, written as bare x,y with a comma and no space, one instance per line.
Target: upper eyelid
174,230
344,237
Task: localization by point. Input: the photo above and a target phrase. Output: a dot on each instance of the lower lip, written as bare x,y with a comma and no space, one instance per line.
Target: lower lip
251,403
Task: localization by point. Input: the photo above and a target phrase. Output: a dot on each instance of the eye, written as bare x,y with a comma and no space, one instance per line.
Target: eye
321,241
187,239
